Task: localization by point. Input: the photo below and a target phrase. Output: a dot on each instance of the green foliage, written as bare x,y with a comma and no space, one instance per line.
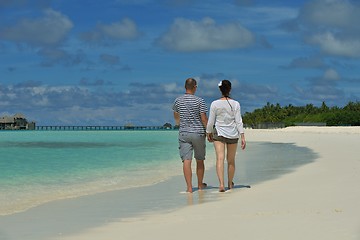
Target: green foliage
290,115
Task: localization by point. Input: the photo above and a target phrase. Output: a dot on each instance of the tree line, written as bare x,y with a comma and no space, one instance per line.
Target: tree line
291,115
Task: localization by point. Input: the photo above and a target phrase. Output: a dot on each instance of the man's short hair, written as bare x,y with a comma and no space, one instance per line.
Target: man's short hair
190,83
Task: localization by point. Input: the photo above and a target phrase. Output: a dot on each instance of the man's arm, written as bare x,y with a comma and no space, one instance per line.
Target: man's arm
204,119
177,118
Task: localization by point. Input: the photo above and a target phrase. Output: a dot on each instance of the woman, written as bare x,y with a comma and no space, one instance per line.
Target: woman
224,128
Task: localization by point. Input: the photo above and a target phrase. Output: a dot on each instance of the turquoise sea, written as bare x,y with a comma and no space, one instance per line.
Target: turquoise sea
42,166
38,167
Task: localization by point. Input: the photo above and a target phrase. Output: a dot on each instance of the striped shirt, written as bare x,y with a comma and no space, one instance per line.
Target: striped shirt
190,108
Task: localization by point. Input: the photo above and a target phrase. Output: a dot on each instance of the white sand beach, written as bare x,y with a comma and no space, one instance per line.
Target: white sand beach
319,200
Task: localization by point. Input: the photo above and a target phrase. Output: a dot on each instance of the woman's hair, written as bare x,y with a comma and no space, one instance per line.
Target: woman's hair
225,87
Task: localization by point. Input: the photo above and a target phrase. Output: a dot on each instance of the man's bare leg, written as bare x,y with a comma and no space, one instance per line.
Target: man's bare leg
200,170
188,175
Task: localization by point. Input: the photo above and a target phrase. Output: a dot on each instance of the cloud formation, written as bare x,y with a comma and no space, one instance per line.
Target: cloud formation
322,87
336,44
125,29
331,25
49,30
315,62
53,56
190,36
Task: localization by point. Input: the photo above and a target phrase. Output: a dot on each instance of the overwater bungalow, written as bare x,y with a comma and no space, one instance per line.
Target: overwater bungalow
16,122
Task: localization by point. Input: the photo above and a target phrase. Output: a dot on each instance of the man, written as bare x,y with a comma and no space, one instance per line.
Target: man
190,116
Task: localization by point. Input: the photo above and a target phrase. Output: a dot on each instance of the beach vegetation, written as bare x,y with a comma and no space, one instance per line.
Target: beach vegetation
290,115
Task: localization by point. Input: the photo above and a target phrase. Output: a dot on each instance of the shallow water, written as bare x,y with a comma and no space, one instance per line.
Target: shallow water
41,166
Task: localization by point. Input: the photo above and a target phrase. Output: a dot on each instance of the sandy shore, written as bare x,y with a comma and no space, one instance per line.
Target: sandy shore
320,200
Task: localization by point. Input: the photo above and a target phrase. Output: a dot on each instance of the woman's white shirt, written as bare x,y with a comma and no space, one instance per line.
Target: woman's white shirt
227,119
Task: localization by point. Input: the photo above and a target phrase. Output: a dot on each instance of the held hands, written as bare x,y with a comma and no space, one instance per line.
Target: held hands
210,137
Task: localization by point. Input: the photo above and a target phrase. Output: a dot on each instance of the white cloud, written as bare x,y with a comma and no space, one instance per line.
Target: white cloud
205,35
126,29
109,59
89,116
331,74
333,45
273,14
52,56
331,14
331,25
306,62
51,29
117,31
171,87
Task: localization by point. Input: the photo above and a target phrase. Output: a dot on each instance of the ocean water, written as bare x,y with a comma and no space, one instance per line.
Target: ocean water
37,167
41,166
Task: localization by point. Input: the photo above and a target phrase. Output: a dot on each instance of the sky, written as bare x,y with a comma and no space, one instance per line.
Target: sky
119,62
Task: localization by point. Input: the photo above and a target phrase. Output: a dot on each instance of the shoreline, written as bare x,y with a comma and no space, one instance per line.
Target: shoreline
315,201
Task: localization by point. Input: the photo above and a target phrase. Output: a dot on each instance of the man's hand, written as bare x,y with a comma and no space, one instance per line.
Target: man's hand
210,137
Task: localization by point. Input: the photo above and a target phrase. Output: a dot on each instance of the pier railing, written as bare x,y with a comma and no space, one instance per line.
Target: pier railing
101,128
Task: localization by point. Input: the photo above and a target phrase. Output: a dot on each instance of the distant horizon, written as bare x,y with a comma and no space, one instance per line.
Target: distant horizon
130,124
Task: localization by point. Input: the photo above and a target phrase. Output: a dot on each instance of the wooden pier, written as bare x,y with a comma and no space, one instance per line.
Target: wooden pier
99,128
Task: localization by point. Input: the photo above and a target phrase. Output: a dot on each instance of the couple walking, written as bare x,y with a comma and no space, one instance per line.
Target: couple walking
224,127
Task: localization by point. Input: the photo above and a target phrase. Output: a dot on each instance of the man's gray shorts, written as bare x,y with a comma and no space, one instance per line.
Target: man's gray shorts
192,142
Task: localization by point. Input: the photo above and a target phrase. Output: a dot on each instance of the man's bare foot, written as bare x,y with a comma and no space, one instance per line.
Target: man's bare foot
202,186
189,190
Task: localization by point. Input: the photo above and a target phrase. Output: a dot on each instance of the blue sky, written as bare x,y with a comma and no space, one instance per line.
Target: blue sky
115,62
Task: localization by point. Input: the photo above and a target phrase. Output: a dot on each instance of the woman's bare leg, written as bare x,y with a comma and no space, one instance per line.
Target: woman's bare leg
231,152
220,157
